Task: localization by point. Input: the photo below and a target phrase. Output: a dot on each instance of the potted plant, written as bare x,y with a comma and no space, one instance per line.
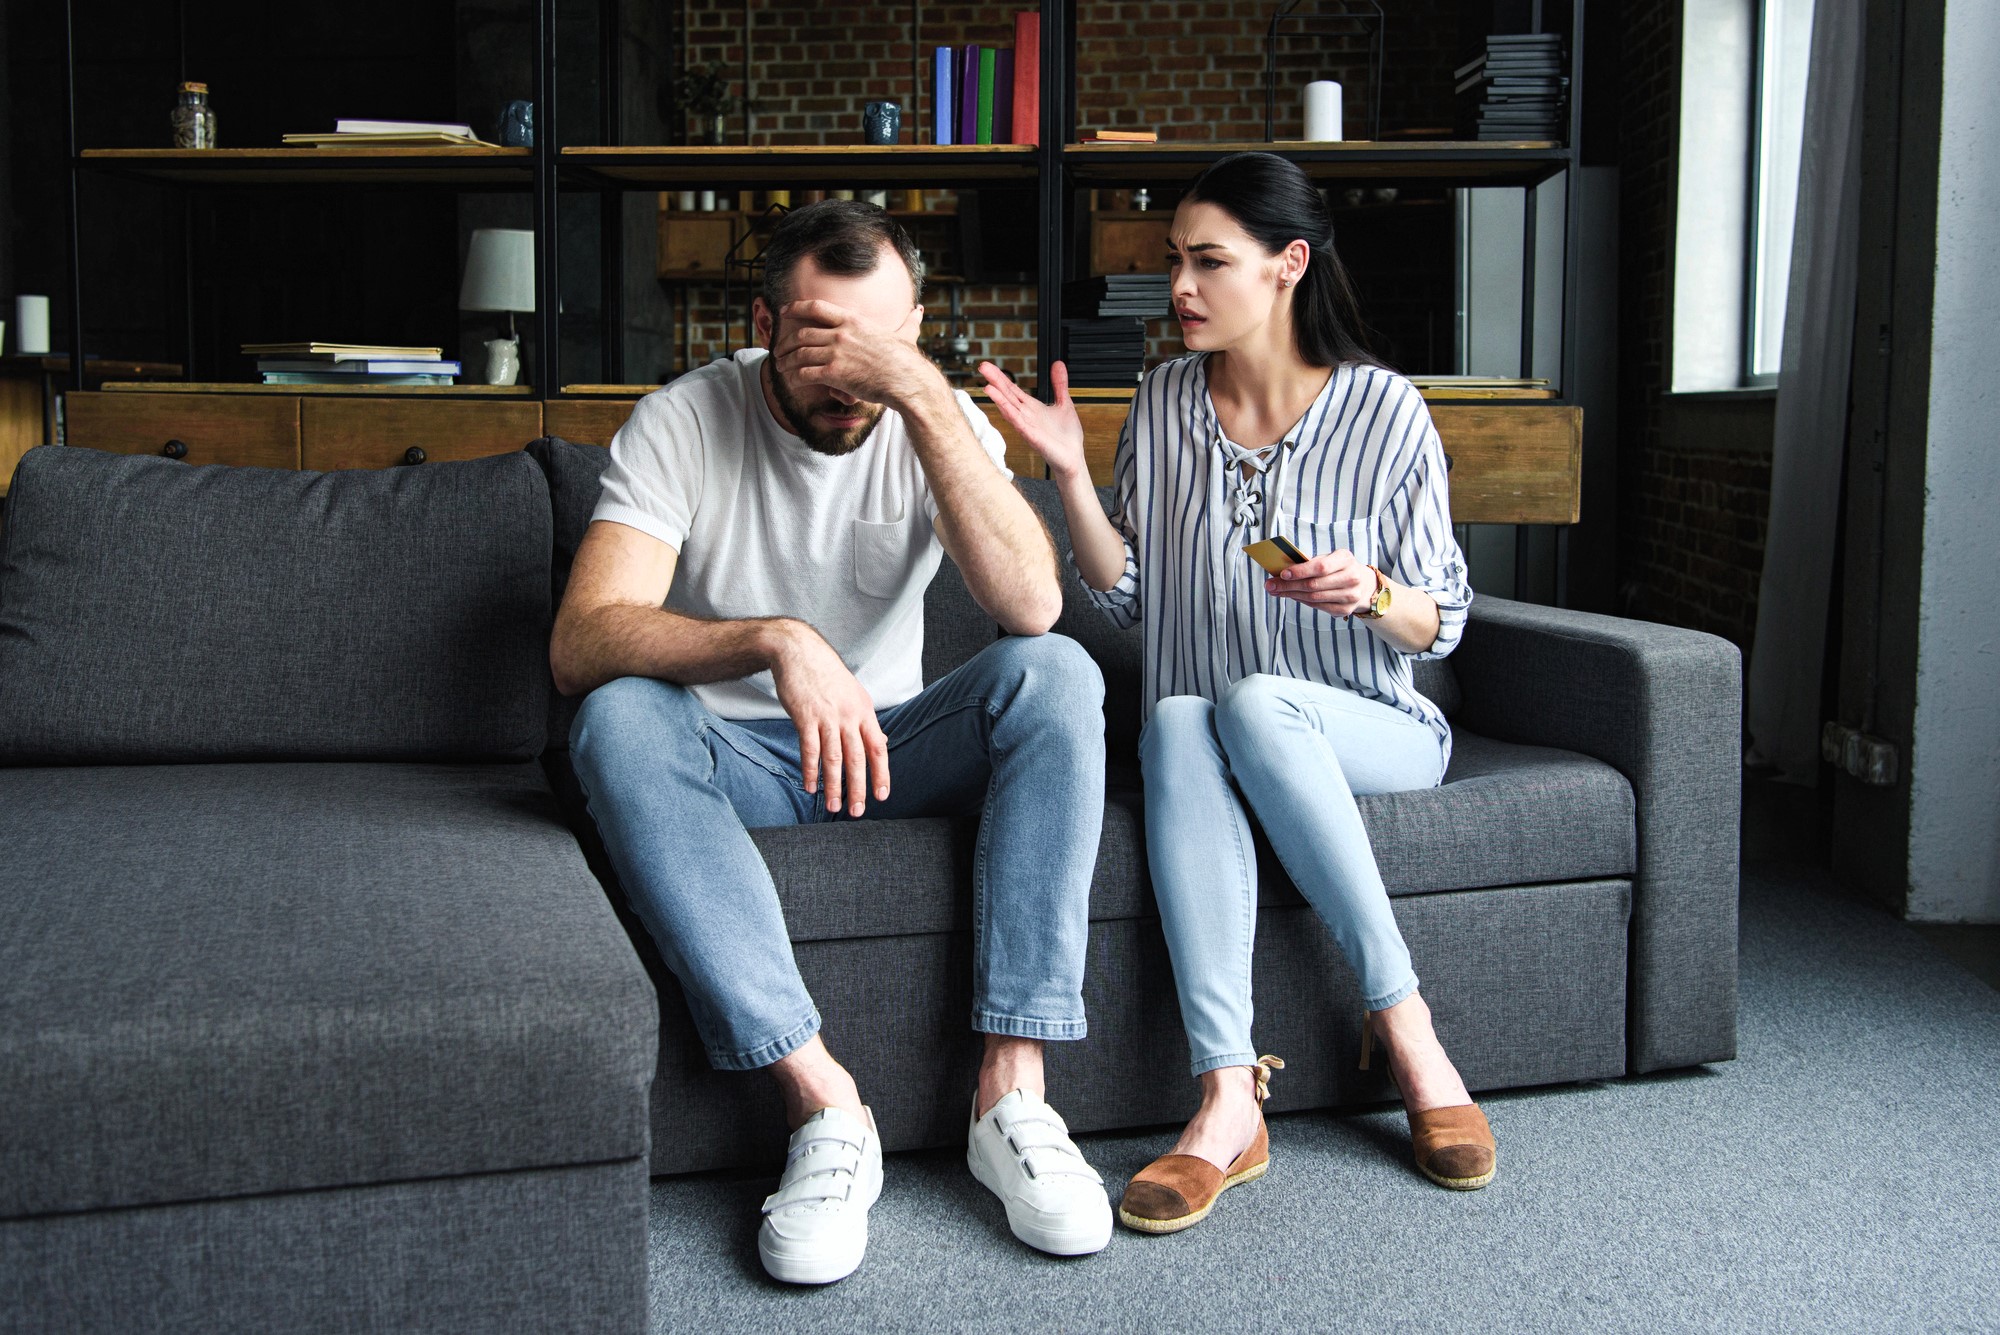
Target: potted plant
703,92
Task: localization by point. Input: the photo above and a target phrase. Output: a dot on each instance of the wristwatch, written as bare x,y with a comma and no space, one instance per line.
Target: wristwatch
1379,604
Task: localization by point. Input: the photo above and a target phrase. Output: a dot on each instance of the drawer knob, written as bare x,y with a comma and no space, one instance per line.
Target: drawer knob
414,455
175,449
1448,461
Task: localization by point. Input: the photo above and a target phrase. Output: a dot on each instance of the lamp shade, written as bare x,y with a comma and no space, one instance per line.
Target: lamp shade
499,271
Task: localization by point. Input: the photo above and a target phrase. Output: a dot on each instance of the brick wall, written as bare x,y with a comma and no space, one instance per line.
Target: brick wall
1189,70
1694,479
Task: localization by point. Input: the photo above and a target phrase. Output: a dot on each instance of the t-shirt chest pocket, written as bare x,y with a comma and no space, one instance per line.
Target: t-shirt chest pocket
886,555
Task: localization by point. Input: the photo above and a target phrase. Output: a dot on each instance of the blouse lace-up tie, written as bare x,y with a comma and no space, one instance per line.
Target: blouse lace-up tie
1248,496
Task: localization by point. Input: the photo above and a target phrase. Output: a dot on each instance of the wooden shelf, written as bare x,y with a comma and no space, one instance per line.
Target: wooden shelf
504,167
296,391
805,166
1372,162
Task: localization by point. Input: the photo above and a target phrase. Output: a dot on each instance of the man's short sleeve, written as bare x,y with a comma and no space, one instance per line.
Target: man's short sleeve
654,483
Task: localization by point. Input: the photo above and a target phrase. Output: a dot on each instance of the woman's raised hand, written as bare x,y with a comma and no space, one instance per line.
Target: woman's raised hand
1052,430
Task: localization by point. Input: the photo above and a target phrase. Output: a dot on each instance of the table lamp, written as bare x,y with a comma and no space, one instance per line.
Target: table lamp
500,276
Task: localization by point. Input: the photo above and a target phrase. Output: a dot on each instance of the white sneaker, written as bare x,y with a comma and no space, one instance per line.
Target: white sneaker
815,1228
1021,1152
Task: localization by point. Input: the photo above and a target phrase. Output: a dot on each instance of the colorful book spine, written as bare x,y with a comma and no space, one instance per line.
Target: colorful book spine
943,106
1027,128
966,127
985,109
1003,97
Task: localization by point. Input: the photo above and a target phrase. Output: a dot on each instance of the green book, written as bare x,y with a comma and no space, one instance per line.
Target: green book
986,69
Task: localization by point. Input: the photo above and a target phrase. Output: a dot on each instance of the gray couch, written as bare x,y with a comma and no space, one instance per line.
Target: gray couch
314,1016
1568,894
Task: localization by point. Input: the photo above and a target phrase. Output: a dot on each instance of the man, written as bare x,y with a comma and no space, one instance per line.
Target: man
788,509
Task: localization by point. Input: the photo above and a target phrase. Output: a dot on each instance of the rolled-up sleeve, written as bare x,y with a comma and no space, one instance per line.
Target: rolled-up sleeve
1120,603
1426,552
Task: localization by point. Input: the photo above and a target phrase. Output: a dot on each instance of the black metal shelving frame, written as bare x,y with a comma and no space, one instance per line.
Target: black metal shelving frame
1061,168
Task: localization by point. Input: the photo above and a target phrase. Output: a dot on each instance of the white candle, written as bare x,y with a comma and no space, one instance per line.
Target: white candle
1322,110
31,325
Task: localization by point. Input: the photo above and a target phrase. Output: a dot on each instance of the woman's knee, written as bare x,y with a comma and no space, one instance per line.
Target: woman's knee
1178,721
1252,704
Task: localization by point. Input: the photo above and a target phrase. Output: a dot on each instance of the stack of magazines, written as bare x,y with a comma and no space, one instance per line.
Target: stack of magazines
390,134
350,364
1149,296
1104,354
1519,86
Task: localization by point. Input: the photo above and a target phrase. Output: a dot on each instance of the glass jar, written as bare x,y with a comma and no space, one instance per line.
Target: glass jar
193,118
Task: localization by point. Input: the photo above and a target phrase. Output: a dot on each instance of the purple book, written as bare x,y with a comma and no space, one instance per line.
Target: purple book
968,94
1003,97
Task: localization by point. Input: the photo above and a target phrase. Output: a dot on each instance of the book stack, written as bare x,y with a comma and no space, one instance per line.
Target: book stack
1520,87
391,134
350,364
1146,296
989,95
1104,353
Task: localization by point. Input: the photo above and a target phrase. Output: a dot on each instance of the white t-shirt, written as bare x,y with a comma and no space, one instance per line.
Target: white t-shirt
766,526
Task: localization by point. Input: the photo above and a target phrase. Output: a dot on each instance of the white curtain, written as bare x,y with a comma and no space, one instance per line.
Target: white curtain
1810,435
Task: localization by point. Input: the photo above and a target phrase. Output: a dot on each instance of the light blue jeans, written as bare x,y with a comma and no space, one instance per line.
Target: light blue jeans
1016,734
1297,753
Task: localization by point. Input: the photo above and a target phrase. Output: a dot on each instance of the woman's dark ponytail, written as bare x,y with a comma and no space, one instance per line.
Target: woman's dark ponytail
1276,204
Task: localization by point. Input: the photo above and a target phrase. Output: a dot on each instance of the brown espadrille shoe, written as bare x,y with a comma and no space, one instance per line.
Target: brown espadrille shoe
1177,1191
1454,1146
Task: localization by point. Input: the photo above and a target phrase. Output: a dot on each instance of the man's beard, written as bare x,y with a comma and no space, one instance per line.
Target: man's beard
835,443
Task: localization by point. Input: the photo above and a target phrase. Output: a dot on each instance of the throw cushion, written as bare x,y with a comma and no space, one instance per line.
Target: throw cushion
154,612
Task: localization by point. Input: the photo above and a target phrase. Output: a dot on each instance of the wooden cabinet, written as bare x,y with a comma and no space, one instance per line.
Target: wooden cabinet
1510,463
381,433
1513,464
586,421
1129,242
696,245
255,430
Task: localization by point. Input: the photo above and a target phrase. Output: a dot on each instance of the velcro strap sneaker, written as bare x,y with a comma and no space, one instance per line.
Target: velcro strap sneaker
815,1228
1021,1152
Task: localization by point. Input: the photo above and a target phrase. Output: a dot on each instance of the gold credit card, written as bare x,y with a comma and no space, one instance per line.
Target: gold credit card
1275,554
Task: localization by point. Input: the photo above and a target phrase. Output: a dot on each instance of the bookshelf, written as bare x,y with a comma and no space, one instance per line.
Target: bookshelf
1060,170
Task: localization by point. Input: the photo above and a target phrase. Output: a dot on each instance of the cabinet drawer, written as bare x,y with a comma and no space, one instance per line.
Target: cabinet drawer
586,421
1130,245
1103,421
255,430
1513,464
380,433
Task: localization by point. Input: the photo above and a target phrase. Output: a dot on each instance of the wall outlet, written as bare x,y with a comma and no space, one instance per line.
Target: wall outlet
1869,759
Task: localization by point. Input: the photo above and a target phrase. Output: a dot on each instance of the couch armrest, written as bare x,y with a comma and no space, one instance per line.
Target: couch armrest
1664,706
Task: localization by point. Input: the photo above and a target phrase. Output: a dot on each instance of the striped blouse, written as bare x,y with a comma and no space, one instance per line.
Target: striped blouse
1361,470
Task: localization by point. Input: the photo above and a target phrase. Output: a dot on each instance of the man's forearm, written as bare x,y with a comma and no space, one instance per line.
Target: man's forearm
605,643
992,532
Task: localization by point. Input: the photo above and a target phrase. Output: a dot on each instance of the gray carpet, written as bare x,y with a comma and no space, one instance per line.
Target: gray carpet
1838,1176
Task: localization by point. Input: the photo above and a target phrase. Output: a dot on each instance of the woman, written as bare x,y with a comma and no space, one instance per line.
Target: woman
1289,693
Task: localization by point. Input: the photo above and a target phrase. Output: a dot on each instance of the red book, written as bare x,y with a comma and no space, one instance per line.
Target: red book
1027,78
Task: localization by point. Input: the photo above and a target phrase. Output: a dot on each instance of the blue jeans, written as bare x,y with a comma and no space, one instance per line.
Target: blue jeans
1016,734
1297,753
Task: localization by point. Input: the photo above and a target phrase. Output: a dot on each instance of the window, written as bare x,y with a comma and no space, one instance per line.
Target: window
1743,82
1784,46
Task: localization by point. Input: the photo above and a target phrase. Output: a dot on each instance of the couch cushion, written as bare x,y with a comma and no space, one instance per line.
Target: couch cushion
1118,652
1505,815
150,611
575,474
229,979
